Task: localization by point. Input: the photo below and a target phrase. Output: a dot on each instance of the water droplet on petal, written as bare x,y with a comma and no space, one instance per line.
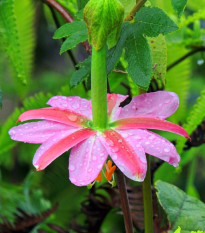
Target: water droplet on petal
115,149
120,140
71,167
72,117
99,166
147,143
94,158
138,137
166,150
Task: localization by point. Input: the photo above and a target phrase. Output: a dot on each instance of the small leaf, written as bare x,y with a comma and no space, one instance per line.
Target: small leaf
82,73
139,59
182,210
73,40
153,21
179,6
178,230
70,28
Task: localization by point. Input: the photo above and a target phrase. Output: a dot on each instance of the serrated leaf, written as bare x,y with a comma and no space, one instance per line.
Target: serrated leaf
17,35
179,6
182,210
70,28
194,118
73,40
153,21
115,53
139,59
82,73
159,58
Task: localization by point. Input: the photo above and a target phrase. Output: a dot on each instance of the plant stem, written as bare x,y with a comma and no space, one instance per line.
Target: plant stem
99,87
147,198
124,201
139,4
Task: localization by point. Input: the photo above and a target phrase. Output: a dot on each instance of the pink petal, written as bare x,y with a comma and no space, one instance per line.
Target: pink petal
149,123
54,114
74,104
57,145
129,159
160,104
113,102
36,132
86,161
154,144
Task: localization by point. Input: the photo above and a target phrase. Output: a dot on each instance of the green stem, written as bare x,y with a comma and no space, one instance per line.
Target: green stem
99,88
147,198
136,8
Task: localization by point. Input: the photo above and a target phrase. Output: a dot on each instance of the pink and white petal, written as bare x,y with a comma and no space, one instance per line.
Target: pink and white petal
113,102
149,123
128,158
37,132
73,103
54,114
86,161
57,145
160,104
154,144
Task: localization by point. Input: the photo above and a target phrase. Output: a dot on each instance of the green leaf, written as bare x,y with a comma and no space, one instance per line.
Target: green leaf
178,230
17,35
182,210
153,21
159,58
139,59
70,28
73,40
179,6
115,53
79,75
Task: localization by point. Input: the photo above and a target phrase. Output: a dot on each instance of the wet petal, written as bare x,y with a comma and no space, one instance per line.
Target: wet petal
53,114
37,132
74,104
86,161
154,144
57,145
160,104
149,123
113,102
131,160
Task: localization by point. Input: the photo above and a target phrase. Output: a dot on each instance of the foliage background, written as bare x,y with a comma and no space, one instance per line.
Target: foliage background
32,71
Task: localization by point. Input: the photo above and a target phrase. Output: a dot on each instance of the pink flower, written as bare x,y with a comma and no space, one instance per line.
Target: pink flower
68,124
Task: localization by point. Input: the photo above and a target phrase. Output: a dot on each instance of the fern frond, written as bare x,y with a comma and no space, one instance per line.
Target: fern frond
17,35
178,80
194,118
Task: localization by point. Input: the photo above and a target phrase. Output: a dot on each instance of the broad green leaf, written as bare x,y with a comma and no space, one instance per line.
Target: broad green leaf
153,21
159,58
70,28
17,35
182,210
115,53
73,40
139,59
179,6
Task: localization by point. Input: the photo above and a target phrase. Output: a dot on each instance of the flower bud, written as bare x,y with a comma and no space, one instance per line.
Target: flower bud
103,19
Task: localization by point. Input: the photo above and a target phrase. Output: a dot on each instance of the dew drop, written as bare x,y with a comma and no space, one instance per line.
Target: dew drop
115,149
138,137
90,169
99,166
94,158
72,117
120,140
166,149
147,142
71,167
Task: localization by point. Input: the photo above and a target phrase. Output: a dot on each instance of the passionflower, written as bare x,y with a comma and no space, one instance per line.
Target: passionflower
68,124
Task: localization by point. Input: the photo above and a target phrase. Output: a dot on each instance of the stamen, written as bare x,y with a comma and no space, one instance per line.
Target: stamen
99,177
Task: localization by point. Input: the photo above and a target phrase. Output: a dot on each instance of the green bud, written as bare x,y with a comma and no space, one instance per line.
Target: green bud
103,19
